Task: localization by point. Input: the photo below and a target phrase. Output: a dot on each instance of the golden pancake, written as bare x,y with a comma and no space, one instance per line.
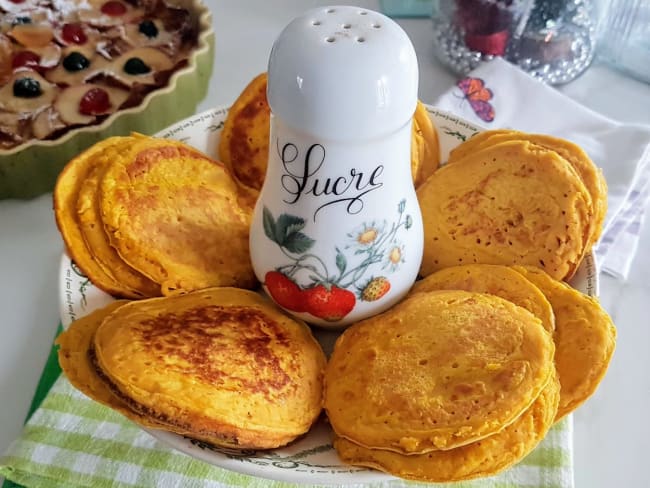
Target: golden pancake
510,203
437,371
590,174
425,147
74,346
66,191
244,143
134,284
222,364
585,338
176,216
497,280
486,457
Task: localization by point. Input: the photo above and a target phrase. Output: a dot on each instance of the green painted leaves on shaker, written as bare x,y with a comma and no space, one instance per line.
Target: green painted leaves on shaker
285,231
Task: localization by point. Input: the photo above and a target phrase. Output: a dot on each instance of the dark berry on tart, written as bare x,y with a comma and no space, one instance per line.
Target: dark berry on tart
139,66
21,19
27,87
78,65
27,92
148,28
75,61
135,66
150,33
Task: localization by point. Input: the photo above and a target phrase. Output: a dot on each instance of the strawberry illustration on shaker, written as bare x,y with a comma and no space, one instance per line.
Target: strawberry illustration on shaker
337,233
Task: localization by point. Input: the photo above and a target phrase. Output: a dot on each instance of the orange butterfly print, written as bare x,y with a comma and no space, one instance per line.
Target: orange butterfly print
478,96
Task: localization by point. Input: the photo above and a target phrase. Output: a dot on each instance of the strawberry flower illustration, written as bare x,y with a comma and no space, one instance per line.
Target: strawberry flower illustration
326,293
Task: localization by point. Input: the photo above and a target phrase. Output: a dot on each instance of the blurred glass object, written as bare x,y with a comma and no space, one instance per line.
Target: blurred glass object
406,8
625,36
553,40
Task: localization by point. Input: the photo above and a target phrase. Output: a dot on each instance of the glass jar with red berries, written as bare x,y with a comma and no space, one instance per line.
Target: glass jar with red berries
554,40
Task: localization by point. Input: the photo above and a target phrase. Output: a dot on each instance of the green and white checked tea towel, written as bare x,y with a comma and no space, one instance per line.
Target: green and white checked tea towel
71,441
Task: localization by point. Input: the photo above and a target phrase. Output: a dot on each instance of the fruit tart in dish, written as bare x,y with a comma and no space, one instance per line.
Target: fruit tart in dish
72,70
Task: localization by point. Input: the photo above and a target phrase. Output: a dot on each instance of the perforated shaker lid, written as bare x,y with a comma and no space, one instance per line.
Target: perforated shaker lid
343,73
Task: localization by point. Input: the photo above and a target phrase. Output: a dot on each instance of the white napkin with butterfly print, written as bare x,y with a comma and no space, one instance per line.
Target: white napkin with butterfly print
492,96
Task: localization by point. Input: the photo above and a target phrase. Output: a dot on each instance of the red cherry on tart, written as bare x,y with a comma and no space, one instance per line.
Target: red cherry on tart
26,59
114,8
108,14
74,33
95,102
80,104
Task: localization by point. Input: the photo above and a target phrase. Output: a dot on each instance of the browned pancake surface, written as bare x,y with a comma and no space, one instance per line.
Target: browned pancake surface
244,143
221,364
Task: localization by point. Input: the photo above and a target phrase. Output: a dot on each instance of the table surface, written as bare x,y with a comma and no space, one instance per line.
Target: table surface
612,430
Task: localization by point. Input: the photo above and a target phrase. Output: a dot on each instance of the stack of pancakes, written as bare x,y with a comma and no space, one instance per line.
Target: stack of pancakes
144,217
508,197
244,143
222,365
465,377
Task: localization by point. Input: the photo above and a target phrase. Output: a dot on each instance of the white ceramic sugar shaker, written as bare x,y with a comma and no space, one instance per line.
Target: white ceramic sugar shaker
337,232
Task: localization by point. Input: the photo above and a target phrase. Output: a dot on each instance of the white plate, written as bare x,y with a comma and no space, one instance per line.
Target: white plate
312,458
